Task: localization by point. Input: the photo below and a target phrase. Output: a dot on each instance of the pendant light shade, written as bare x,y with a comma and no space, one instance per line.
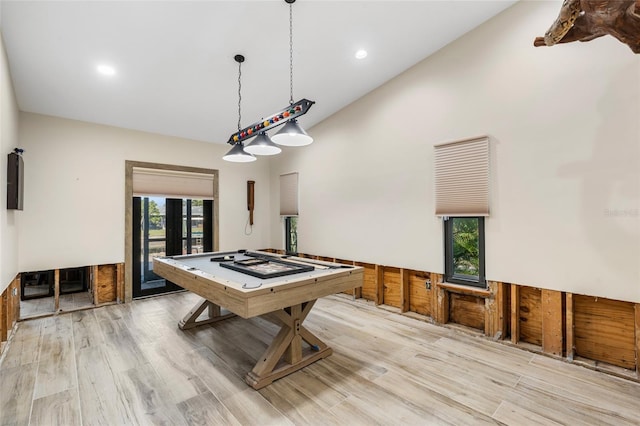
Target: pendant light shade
237,155
292,134
262,145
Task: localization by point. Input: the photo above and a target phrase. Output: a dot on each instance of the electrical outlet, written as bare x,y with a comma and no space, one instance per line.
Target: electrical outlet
427,284
15,291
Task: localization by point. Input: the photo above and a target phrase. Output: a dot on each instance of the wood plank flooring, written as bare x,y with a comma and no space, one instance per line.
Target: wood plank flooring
131,365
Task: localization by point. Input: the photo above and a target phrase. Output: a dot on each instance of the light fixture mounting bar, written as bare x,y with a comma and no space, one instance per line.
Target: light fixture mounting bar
292,111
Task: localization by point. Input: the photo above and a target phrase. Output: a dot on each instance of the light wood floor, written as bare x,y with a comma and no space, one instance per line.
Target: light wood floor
130,365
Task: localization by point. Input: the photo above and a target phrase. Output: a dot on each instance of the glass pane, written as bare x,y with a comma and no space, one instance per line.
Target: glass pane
153,242
185,226
292,238
197,226
466,258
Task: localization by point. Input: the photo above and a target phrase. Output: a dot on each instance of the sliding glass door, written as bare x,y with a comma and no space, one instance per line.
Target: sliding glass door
167,227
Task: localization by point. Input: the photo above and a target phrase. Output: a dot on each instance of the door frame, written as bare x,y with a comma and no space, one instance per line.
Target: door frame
125,294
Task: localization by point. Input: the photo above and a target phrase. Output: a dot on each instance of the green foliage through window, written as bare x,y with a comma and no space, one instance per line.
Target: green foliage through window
291,234
155,219
466,259
464,250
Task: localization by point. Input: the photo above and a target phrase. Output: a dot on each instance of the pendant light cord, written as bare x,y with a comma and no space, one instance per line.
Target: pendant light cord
291,53
239,93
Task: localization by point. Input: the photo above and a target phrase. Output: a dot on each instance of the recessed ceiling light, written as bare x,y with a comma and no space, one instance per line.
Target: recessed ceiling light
361,54
107,70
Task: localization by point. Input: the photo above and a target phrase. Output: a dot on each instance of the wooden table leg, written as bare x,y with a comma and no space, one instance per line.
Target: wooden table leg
214,315
286,353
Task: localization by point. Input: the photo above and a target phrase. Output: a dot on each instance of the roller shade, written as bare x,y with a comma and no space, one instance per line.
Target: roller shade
289,194
172,184
462,178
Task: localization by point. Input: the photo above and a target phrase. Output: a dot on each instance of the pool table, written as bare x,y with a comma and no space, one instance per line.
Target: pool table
282,289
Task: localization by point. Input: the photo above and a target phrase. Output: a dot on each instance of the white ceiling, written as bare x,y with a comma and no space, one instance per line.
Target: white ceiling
175,69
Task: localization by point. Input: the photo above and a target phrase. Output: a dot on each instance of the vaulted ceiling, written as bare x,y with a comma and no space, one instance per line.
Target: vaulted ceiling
173,60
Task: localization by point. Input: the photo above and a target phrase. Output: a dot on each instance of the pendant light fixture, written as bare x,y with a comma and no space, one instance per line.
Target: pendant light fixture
291,133
262,145
237,153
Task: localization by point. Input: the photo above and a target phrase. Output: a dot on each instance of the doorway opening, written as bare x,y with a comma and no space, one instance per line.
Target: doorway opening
167,227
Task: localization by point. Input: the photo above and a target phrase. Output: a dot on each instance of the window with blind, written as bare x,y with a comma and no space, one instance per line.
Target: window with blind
462,199
289,194
462,178
289,209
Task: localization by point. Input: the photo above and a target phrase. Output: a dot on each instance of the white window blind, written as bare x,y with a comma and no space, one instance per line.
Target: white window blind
462,178
289,194
172,183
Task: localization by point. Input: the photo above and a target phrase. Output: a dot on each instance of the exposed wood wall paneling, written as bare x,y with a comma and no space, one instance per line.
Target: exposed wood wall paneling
605,330
467,310
3,315
552,324
419,295
9,311
530,315
637,337
369,284
494,315
437,316
106,283
441,301
392,287
379,299
13,299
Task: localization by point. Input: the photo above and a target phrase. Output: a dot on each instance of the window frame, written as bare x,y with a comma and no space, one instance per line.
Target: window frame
450,276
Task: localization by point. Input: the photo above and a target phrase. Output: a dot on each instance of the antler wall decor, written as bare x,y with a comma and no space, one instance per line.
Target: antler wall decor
585,20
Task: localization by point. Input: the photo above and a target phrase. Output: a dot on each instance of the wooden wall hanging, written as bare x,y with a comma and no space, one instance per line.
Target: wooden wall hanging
585,20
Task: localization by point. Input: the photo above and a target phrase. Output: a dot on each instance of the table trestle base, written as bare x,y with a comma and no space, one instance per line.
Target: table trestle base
215,314
286,354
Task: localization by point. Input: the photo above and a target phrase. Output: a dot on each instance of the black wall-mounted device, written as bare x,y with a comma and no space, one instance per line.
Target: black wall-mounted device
15,181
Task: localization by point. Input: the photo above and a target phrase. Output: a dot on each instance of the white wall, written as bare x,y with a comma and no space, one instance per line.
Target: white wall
9,219
564,128
74,190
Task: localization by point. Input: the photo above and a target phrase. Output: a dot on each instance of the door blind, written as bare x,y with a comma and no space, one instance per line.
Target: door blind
172,183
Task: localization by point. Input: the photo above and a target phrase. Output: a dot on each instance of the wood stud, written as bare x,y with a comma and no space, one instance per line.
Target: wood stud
552,322
637,337
379,300
515,313
570,341
56,291
404,289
